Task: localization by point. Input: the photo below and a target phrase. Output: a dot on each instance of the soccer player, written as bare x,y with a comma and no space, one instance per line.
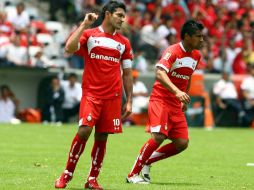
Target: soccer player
105,52
168,101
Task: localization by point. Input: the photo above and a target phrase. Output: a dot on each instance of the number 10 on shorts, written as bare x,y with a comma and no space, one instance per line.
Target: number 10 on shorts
116,122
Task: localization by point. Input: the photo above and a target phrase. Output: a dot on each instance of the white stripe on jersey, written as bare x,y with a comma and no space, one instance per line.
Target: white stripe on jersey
104,42
184,62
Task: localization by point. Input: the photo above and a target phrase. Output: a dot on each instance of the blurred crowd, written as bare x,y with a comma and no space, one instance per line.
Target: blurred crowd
9,106
58,97
150,25
61,99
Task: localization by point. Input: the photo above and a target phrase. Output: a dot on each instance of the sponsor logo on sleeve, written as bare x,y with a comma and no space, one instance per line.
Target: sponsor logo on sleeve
167,56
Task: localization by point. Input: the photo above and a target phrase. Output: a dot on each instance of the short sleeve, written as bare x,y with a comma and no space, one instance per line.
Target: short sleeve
167,60
83,39
201,64
82,43
127,56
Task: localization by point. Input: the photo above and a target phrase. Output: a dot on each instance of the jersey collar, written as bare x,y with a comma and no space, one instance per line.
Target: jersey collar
101,29
181,45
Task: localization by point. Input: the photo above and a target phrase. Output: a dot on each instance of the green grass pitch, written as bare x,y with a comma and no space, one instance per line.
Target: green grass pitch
33,156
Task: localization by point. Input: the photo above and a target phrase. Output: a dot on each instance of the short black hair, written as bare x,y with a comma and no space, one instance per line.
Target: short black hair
74,75
20,4
54,77
3,88
111,7
190,27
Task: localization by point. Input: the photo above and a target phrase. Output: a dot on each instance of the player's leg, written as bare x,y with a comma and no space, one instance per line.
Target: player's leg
157,125
146,151
168,150
108,122
97,154
76,149
179,136
88,117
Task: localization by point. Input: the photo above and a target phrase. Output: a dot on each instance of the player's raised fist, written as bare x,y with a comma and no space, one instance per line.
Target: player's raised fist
90,18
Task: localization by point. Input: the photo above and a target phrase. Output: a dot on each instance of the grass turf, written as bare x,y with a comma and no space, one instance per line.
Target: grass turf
33,156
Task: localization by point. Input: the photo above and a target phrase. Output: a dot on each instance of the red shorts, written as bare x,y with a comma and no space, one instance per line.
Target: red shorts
167,120
104,114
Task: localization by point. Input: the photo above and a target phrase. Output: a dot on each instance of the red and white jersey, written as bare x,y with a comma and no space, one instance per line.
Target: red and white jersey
179,65
103,55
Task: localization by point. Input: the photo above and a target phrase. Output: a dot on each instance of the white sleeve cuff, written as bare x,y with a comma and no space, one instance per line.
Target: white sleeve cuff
127,63
162,66
78,46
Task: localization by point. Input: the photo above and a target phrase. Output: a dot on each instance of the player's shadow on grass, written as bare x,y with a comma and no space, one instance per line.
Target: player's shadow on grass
176,184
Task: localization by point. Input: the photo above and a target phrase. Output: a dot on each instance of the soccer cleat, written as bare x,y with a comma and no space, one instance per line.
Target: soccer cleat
63,180
136,179
93,184
145,173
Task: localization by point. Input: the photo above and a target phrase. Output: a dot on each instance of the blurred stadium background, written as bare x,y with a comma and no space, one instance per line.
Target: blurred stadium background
32,41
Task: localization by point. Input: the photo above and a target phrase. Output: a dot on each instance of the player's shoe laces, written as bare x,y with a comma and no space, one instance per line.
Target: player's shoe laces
145,173
63,180
136,179
93,184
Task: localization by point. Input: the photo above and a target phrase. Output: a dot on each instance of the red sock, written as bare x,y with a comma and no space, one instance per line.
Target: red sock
149,147
162,153
97,154
77,148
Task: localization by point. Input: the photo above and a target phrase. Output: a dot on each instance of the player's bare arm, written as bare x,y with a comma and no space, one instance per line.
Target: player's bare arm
128,85
185,106
162,77
189,84
72,43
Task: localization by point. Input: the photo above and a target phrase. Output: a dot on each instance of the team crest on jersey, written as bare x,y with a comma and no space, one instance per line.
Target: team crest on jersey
89,118
119,47
167,56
